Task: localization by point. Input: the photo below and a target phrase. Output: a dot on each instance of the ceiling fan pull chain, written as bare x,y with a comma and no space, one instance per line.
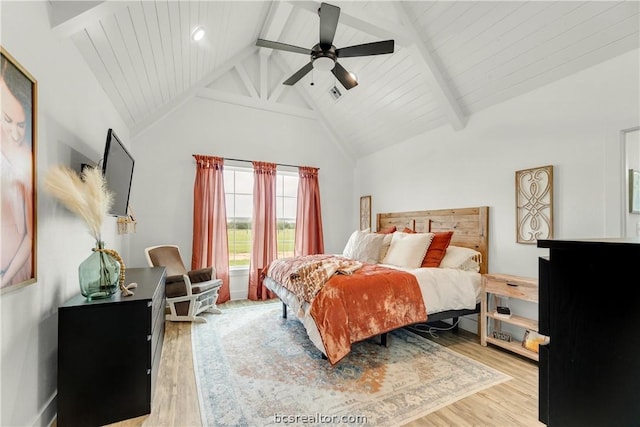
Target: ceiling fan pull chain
312,78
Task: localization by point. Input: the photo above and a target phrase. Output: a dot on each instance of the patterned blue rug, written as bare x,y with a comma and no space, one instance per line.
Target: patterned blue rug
254,368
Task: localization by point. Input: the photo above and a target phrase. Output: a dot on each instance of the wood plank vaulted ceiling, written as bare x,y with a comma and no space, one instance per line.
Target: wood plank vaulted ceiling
451,60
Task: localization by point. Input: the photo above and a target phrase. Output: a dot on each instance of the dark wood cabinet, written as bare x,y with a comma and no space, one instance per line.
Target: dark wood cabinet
109,352
589,306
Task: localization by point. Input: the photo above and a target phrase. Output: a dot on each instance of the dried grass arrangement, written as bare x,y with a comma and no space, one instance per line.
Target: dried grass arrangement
86,196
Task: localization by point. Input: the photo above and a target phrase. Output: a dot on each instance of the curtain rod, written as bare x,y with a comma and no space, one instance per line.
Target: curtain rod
279,164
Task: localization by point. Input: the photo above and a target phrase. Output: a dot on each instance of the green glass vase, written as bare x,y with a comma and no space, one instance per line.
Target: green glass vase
99,274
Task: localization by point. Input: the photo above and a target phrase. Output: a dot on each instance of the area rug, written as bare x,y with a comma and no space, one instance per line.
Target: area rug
254,368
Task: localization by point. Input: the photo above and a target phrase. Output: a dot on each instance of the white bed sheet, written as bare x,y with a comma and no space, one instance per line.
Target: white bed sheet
442,289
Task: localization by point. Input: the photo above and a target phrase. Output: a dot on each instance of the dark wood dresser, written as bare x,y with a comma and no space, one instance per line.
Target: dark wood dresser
589,306
109,352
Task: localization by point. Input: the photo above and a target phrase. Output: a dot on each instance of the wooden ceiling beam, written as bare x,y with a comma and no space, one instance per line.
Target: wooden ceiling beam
365,22
235,99
185,96
431,72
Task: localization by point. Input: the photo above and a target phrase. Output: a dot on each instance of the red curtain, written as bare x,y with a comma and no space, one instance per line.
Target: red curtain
309,236
210,245
263,228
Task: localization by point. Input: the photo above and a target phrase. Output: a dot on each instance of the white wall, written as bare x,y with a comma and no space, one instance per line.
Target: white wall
573,124
162,192
73,117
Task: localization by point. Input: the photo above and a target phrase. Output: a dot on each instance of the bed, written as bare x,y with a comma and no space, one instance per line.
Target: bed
443,293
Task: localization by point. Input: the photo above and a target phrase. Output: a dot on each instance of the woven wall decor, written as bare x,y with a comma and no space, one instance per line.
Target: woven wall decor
534,204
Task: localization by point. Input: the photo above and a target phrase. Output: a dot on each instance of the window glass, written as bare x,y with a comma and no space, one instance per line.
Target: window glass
239,210
286,201
238,184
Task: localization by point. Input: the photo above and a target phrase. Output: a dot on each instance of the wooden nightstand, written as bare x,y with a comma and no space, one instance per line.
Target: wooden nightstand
495,286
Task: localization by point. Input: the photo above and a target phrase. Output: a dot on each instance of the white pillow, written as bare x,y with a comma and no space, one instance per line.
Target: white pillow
408,250
386,242
461,258
348,248
364,247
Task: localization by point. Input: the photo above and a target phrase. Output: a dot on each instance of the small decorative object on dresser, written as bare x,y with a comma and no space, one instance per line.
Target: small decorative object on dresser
494,287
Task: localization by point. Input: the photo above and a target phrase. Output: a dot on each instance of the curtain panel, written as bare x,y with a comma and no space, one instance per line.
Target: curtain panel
210,242
309,238
263,228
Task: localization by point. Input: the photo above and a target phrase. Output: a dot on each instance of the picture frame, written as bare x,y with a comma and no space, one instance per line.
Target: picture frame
18,142
634,191
534,204
365,213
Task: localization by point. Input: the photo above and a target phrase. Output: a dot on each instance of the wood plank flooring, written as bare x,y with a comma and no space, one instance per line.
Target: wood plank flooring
513,403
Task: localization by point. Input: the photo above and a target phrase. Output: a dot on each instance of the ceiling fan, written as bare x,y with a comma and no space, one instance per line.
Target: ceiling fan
324,55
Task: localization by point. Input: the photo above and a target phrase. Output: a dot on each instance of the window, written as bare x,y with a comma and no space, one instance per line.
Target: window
286,205
238,189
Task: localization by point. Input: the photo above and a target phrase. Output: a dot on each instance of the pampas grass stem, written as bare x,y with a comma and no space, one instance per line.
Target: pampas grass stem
85,196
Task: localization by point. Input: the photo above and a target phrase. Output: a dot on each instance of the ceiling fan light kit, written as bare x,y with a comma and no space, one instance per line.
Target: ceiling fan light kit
324,55
323,64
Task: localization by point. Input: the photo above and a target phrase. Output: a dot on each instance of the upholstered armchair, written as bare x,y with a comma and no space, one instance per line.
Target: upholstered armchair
188,293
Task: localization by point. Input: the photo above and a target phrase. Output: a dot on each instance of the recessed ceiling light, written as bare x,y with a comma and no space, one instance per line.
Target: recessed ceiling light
197,33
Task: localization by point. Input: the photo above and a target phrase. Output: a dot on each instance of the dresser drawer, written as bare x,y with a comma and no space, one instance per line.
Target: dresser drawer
511,287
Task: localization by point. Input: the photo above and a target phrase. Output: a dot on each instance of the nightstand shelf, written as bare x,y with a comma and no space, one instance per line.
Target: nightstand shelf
495,286
520,321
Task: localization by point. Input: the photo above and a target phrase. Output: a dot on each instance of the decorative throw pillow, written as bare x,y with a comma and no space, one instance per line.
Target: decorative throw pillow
408,250
437,249
461,258
387,230
348,248
386,242
408,230
364,247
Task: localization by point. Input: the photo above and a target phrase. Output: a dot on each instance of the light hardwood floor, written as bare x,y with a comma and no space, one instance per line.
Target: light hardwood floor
513,403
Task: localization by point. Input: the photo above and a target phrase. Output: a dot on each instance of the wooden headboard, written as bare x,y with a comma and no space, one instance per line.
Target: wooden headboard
470,226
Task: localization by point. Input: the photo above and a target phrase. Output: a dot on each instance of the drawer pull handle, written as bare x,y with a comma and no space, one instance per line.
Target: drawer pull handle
149,303
148,337
148,371
512,284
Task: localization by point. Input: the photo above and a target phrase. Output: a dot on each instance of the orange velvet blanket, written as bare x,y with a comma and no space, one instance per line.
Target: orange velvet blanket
369,302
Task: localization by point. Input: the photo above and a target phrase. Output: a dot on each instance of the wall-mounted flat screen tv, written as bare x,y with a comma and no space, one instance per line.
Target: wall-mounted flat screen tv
117,168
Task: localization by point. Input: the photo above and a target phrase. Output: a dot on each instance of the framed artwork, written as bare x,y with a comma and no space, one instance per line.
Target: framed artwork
18,135
634,191
365,212
534,204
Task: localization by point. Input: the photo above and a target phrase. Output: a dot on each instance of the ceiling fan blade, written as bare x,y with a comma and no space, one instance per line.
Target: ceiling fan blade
375,48
329,16
344,77
283,46
298,74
